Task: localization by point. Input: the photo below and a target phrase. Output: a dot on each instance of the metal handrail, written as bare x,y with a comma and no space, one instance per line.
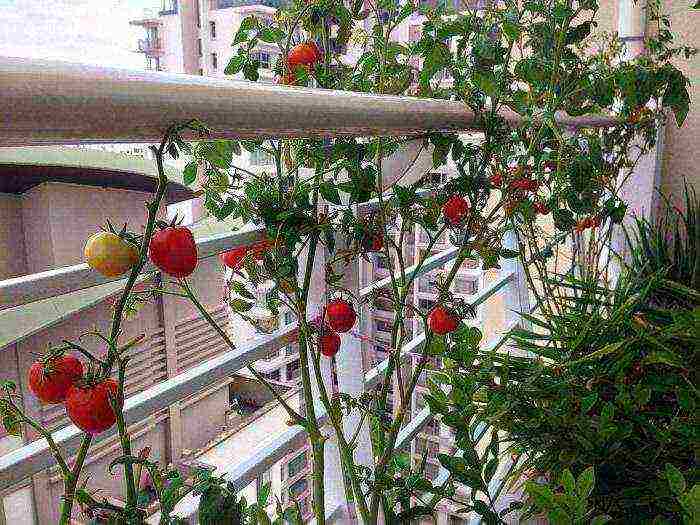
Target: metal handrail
45,102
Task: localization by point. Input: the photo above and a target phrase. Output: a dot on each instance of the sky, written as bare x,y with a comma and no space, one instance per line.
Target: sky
93,32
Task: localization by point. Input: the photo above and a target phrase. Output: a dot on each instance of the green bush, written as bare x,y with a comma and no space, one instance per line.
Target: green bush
610,381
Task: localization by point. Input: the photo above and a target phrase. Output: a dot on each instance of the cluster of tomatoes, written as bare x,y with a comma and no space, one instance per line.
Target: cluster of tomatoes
586,223
304,55
60,378
519,188
172,249
340,317
233,259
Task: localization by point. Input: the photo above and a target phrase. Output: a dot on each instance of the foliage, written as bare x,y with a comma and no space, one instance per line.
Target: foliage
670,246
611,381
567,504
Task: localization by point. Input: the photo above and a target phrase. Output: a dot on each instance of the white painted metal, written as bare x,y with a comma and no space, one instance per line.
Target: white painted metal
430,264
36,456
48,102
42,285
413,427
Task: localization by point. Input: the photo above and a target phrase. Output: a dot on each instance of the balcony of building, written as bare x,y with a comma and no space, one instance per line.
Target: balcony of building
251,441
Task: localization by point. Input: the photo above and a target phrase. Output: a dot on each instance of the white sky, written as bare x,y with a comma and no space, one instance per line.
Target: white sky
86,31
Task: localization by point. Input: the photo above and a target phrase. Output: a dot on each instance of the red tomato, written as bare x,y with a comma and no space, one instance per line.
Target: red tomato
305,54
50,379
340,315
234,258
524,184
174,251
455,209
541,208
496,180
89,407
441,321
329,344
373,243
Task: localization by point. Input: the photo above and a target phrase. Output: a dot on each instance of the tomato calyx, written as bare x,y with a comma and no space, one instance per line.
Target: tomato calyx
124,234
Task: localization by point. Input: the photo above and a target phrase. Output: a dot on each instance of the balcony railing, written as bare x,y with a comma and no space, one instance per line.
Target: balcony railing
47,102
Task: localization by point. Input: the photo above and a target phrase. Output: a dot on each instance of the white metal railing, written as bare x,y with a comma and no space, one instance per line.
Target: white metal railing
46,102
42,285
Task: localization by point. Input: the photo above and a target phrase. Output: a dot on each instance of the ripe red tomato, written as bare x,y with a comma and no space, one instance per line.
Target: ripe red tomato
305,54
234,258
496,180
373,243
51,378
174,251
541,208
441,321
340,315
88,407
524,185
329,344
455,209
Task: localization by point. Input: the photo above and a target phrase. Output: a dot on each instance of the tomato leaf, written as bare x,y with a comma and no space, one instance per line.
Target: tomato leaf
190,173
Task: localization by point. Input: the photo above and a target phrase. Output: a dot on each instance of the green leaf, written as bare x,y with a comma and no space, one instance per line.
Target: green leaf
12,426
568,482
239,305
541,495
563,219
190,173
600,520
585,483
329,192
490,469
578,33
663,357
588,402
486,81
675,479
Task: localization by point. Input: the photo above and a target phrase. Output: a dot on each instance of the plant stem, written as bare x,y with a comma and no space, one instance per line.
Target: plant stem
153,207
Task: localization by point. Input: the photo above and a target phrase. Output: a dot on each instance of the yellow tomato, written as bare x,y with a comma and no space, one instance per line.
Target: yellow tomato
109,254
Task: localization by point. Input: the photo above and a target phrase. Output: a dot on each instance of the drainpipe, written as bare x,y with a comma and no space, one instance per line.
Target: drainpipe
641,189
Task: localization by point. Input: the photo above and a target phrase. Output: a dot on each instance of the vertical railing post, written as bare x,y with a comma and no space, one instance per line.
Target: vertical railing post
516,294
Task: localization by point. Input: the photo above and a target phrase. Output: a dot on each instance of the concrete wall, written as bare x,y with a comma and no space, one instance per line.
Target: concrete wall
12,256
681,145
38,233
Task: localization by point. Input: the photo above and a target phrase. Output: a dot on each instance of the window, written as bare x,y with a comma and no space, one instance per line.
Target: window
296,465
168,7
426,286
199,47
214,61
298,487
264,57
293,370
273,376
272,355
431,471
288,317
456,520
260,157
382,326
212,30
426,304
290,350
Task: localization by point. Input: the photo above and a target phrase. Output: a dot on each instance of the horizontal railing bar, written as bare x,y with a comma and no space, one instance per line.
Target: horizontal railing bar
48,102
43,285
430,264
36,456
372,377
413,427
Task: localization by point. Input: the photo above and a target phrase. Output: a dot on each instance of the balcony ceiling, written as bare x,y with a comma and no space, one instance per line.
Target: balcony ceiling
23,168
